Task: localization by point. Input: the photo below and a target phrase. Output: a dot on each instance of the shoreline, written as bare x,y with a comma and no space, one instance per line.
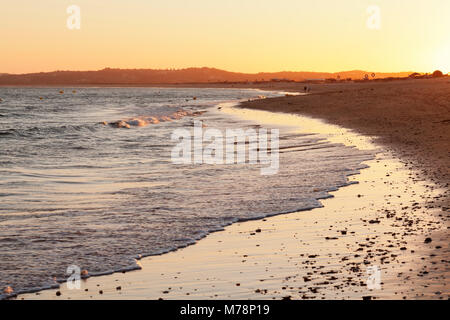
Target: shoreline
131,284
409,118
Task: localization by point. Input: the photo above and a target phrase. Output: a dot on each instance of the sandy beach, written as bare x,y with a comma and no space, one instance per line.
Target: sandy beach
225,158
408,117
393,218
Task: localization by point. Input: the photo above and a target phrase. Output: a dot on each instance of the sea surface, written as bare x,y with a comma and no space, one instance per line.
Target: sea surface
86,178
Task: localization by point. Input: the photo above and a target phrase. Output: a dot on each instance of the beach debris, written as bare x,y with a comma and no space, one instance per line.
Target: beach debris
153,120
101,292
58,293
74,91
84,273
194,98
120,124
8,290
118,288
137,122
165,118
428,240
41,98
61,91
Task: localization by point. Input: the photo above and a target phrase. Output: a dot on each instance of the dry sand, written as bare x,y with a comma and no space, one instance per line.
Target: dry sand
383,221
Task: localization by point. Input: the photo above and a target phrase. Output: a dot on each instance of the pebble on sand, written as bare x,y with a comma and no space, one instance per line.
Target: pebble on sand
8,290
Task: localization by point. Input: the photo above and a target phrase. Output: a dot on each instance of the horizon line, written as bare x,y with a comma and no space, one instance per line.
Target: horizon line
213,68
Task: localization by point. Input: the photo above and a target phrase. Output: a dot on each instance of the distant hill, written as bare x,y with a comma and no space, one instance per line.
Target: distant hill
110,76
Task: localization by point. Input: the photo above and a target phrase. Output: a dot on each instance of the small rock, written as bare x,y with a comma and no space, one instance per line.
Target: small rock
428,240
8,290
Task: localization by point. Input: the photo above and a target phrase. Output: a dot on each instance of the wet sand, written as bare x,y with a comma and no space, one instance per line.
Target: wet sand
410,118
388,220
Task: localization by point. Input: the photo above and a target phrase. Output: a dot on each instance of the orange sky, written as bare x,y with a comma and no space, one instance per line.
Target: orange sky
236,35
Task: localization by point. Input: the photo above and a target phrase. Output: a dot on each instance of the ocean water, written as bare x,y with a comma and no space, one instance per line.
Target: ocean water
86,178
